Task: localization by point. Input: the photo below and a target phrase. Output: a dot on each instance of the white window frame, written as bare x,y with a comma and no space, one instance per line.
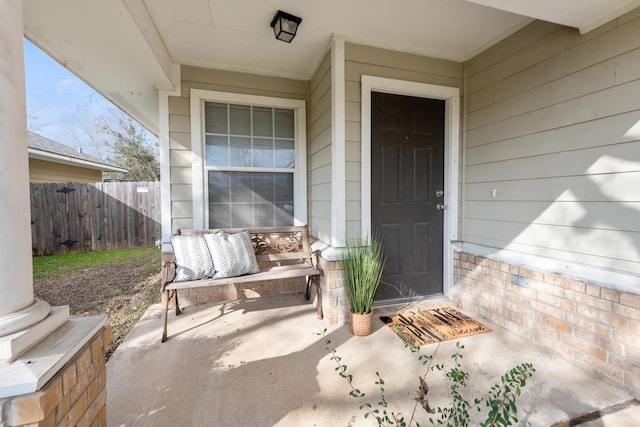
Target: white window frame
200,195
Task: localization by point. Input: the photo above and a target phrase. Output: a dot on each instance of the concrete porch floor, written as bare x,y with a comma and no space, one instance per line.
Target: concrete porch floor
260,362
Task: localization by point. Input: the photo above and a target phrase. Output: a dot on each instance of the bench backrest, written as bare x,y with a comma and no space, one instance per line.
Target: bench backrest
273,244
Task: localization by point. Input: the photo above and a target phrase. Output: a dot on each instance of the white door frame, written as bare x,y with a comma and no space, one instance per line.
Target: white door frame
451,96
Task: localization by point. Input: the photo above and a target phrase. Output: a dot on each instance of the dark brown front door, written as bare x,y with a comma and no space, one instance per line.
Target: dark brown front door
407,176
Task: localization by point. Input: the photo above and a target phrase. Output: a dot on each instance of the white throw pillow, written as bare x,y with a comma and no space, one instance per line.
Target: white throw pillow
232,254
193,260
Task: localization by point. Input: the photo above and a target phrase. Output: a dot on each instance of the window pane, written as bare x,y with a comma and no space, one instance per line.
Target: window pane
250,199
285,154
241,215
264,187
219,215
262,153
241,187
240,119
240,151
284,214
217,150
215,117
262,121
264,214
284,188
284,123
219,187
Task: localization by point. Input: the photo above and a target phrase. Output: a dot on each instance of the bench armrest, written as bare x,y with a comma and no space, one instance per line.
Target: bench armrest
315,259
167,273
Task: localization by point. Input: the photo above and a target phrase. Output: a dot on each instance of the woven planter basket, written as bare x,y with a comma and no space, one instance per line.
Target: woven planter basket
360,324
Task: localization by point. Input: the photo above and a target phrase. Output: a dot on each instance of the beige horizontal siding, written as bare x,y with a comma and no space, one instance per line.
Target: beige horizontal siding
592,249
550,168
590,161
180,175
244,83
581,109
43,171
181,192
509,46
566,213
607,130
619,187
559,54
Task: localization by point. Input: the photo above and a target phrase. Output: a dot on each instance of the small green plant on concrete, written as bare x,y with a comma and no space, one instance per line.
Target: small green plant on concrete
500,400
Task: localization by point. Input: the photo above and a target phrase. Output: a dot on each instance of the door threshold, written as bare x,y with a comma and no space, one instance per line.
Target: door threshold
424,302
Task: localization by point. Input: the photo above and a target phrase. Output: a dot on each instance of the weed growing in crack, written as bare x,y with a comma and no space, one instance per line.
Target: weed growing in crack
499,402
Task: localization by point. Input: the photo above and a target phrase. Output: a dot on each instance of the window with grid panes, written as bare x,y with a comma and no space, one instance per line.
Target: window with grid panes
249,162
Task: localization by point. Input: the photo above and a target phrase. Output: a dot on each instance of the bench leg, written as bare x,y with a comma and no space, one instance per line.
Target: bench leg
164,321
307,292
319,298
178,311
170,294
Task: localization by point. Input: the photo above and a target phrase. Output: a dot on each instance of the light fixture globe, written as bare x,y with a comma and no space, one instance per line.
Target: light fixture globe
285,26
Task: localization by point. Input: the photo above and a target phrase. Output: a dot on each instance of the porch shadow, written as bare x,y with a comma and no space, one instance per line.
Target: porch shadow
261,363
242,362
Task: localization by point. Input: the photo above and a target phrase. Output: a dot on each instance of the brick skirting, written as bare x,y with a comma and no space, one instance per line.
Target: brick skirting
75,396
335,304
595,327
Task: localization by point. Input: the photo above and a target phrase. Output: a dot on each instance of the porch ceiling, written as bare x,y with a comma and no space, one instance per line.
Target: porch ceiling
126,49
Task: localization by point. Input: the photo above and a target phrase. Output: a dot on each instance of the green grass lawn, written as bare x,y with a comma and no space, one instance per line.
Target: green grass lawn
68,264
121,283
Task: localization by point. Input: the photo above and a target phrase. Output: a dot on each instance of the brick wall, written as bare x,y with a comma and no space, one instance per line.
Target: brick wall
335,305
75,396
596,327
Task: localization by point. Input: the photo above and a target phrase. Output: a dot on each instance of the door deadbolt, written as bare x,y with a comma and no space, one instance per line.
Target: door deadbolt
439,193
441,206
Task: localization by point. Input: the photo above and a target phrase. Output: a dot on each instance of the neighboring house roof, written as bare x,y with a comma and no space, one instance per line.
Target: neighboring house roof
46,149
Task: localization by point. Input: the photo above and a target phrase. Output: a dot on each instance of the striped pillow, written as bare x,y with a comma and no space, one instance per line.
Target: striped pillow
232,254
193,260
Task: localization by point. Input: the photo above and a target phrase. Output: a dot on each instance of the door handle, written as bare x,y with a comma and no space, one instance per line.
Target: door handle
441,206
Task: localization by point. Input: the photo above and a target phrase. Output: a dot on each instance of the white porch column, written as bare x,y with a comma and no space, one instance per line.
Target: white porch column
18,309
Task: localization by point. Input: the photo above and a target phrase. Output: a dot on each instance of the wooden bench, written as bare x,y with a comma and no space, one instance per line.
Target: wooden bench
282,253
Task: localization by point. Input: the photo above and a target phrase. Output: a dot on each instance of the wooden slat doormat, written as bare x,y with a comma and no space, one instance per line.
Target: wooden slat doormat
419,327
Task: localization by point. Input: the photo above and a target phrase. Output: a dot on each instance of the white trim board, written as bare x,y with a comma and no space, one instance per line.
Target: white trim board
338,145
197,99
451,96
165,167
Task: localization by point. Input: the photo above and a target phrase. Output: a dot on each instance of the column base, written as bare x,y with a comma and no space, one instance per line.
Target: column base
70,375
20,320
30,371
12,346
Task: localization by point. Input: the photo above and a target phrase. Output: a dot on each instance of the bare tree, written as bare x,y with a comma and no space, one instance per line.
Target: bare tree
87,132
113,136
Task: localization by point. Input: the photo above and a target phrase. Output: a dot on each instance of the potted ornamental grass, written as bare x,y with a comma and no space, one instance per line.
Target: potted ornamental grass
363,262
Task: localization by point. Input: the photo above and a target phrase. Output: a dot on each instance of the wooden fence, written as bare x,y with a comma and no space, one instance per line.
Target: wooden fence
79,217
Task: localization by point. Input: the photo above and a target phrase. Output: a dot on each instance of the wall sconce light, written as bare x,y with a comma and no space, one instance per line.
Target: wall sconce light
285,26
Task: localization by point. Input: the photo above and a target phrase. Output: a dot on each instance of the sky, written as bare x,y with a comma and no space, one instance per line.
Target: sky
54,94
